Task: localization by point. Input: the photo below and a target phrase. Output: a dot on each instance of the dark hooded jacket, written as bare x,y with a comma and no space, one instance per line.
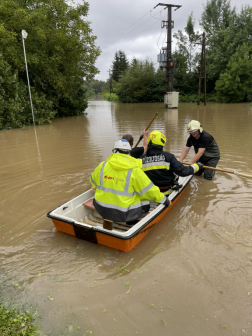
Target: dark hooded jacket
160,166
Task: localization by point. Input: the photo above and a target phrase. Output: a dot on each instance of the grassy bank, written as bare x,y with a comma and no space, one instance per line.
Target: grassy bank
189,98
111,97
17,323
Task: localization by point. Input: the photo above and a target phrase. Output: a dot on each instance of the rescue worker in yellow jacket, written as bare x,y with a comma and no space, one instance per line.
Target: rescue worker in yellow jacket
123,192
161,166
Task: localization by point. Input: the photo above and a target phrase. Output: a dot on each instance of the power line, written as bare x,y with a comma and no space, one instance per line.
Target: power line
128,28
159,38
161,15
157,14
134,28
130,39
161,30
164,39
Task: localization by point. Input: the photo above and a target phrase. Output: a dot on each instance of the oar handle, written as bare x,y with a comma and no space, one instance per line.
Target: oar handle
146,129
212,168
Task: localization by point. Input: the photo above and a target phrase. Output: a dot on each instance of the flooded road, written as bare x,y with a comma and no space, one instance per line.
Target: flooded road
192,273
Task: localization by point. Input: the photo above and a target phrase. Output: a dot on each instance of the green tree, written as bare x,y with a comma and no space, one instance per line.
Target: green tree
94,87
186,72
141,83
60,50
226,31
15,110
156,89
234,85
216,20
184,82
217,15
98,85
224,35
120,64
187,42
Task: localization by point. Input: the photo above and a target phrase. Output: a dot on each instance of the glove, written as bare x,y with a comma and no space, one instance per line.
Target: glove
200,165
167,202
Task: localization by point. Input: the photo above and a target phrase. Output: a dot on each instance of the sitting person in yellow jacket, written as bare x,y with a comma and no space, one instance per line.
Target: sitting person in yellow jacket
123,191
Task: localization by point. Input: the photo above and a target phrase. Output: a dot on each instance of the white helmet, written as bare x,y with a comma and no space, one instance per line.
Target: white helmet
123,145
193,126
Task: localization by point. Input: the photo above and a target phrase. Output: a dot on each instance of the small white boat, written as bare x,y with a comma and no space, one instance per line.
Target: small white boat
79,218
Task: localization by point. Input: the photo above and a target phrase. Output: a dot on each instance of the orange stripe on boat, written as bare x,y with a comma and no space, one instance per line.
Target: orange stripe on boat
128,244
63,227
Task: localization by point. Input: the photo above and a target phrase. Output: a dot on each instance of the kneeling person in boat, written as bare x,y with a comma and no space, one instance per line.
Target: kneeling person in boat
122,191
161,166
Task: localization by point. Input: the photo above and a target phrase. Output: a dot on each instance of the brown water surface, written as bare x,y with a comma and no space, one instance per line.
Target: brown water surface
191,275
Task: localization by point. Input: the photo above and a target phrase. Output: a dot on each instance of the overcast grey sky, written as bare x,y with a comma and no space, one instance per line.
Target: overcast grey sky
134,26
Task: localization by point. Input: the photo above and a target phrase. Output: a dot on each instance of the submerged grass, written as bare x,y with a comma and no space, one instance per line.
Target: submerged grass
16,323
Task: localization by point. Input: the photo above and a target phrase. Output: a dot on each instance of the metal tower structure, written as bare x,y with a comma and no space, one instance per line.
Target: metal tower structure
165,58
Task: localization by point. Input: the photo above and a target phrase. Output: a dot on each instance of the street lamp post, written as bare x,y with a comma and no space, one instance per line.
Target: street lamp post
24,35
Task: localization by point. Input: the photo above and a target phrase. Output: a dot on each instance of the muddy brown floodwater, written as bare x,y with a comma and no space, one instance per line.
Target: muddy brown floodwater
192,273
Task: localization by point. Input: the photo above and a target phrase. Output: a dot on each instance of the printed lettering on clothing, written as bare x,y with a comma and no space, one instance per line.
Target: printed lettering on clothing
109,177
112,178
154,158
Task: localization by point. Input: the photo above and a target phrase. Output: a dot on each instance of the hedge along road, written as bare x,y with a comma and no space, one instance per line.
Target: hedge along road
192,272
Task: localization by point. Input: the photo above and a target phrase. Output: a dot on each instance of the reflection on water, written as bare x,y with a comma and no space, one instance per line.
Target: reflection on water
191,273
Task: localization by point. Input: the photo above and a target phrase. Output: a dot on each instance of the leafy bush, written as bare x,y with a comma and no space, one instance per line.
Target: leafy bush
193,98
16,323
60,51
141,83
15,109
235,83
111,97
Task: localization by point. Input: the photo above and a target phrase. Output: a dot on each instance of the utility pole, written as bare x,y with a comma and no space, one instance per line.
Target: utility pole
203,59
169,24
110,81
204,68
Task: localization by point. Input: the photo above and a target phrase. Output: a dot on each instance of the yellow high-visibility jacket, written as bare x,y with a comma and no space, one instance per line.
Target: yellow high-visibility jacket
123,191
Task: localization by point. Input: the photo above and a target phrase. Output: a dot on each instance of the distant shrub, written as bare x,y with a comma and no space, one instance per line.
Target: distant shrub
193,98
111,97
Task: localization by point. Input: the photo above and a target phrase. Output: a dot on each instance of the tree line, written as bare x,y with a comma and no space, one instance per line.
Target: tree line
228,60
61,54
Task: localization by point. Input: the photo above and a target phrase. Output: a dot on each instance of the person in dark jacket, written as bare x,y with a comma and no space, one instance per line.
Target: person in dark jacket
161,166
205,147
137,151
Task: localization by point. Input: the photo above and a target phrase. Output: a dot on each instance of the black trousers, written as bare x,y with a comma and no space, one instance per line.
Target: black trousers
209,174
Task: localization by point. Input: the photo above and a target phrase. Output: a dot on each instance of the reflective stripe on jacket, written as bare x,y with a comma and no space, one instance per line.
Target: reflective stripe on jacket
160,166
123,191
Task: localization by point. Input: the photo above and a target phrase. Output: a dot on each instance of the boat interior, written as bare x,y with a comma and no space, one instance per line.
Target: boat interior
80,211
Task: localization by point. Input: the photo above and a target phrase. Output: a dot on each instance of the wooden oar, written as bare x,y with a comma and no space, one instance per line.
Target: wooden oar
146,129
224,170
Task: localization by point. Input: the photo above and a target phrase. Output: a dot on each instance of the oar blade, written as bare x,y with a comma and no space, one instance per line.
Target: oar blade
245,174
